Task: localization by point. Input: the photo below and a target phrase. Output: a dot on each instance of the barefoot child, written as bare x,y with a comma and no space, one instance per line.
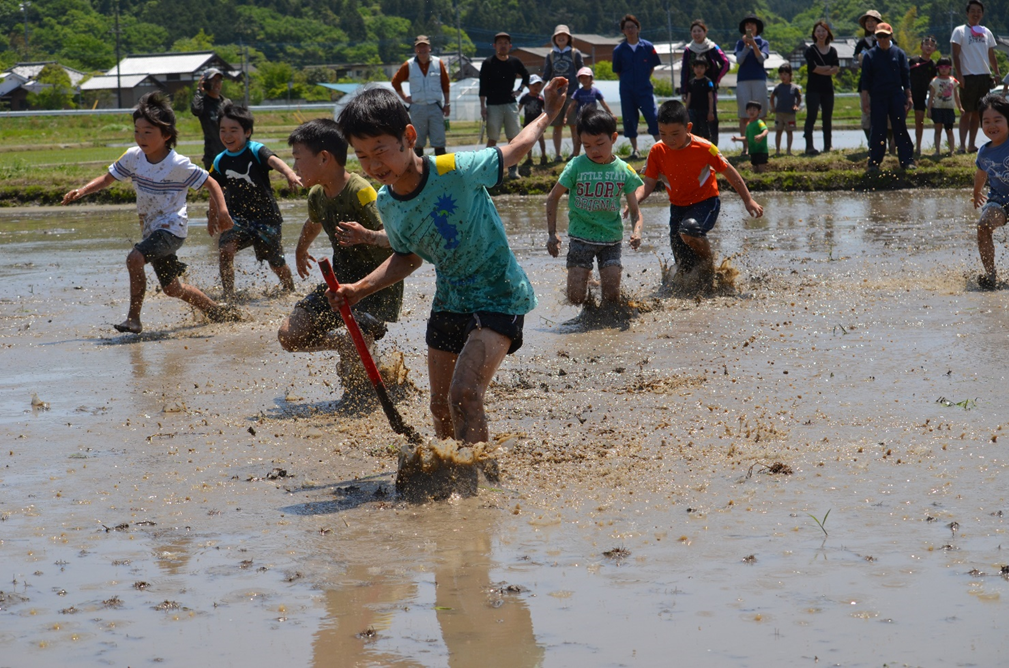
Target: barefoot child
755,140
595,182
161,178
532,105
923,70
438,209
943,99
343,205
786,99
992,161
689,165
243,172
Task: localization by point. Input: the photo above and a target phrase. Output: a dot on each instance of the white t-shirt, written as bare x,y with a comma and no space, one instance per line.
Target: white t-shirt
974,45
161,189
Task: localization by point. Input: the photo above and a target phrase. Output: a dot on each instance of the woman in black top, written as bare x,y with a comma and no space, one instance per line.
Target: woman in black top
821,65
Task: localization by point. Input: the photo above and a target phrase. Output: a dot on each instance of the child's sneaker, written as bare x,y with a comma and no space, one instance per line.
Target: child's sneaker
513,172
529,160
987,281
544,161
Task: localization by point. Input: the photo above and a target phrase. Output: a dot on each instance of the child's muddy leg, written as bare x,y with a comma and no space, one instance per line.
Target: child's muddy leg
227,260
992,216
475,367
189,294
609,278
441,367
283,272
138,289
578,281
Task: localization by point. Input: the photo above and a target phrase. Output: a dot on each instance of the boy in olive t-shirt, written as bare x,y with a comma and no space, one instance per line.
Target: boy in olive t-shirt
595,180
343,205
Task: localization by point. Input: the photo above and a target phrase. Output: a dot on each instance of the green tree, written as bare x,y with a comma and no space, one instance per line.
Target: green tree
201,41
603,71
56,91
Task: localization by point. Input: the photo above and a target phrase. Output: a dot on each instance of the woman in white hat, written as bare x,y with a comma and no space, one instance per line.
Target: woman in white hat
563,61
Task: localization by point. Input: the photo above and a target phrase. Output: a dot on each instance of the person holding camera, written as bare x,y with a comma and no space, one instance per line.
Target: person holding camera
206,106
751,79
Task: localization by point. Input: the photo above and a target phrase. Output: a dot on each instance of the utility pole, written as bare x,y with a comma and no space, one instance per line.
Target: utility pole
669,26
119,83
24,8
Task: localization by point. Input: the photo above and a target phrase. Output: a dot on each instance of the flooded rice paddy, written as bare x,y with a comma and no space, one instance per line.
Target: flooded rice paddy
810,471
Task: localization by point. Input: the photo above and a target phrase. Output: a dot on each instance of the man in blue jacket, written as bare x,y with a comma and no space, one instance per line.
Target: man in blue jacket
633,61
885,87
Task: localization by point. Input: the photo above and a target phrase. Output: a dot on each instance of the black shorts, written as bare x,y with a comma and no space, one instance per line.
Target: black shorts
159,251
944,117
448,331
325,319
919,99
263,237
758,158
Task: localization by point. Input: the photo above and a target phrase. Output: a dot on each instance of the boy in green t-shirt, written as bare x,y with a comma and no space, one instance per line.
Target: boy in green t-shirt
343,205
595,181
756,137
438,209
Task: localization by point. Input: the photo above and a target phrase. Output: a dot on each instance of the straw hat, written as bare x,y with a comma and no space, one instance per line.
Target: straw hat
871,14
561,29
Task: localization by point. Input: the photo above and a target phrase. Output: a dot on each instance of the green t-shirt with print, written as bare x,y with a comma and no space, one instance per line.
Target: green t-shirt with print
753,129
356,202
594,193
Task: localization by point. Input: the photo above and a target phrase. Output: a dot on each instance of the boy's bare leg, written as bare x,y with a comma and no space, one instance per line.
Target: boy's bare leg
299,334
965,123
578,281
701,248
777,141
949,140
227,259
558,137
788,139
576,145
284,274
938,140
190,294
609,279
475,367
975,121
919,130
440,369
138,289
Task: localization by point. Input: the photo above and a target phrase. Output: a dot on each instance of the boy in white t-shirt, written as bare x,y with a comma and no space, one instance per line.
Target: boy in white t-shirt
161,178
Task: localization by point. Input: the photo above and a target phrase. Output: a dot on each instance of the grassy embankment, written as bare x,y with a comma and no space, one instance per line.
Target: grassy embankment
41,158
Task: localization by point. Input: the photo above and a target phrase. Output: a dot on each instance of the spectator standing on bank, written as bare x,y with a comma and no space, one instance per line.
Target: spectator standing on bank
428,98
886,95
973,48
564,60
498,95
206,106
821,66
700,48
634,59
751,79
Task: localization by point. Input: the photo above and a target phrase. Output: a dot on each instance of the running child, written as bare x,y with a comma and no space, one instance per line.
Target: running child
755,140
343,205
786,99
923,70
943,99
161,178
586,97
688,164
594,183
438,209
992,166
243,172
532,105
701,99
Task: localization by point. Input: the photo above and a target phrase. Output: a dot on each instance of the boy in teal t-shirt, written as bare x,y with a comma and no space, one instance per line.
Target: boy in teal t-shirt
594,182
439,210
756,137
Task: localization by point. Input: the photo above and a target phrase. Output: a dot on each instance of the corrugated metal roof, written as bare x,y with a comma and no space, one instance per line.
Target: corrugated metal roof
108,82
29,71
160,64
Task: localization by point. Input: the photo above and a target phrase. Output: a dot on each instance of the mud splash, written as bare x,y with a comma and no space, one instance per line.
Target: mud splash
439,470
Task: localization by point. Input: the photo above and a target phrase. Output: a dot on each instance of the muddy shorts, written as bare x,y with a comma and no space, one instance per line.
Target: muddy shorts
581,254
993,207
263,237
325,319
974,87
159,251
695,220
784,121
946,117
448,332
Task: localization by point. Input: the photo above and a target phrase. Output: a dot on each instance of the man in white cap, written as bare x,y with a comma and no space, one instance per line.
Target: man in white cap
207,105
428,98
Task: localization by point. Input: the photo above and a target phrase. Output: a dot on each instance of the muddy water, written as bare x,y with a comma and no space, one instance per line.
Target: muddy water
195,496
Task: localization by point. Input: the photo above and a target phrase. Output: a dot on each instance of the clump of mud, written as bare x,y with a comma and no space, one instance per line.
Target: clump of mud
599,314
698,282
437,470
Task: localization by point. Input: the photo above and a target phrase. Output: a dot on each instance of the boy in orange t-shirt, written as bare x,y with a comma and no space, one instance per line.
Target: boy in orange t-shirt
688,165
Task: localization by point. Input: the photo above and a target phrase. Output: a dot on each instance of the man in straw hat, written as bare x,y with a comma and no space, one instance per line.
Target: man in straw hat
428,98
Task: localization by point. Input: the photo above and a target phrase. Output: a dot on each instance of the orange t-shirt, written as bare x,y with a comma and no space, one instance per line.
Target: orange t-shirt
689,170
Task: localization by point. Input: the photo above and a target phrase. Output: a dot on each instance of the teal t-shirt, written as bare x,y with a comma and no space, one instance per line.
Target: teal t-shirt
752,130
450,221
594,193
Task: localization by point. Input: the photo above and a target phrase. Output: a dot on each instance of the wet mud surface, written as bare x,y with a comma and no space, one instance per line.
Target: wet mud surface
807,469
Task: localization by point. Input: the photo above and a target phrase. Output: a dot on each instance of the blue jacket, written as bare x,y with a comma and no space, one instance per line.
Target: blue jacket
749,68
634,66
885,72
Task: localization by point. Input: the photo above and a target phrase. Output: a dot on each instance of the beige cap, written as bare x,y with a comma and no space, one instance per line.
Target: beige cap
422,39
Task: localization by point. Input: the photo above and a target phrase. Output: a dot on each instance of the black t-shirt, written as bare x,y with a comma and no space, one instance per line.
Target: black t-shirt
497,79
245,179
533,106
820,83
699,89
208,110
923,70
